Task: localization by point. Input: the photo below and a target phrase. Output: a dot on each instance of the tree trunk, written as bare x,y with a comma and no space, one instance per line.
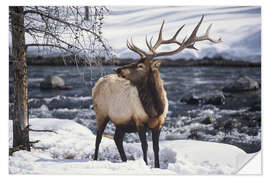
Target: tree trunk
86,9
20,121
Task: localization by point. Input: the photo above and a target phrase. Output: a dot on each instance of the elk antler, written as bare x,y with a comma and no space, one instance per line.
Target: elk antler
189,43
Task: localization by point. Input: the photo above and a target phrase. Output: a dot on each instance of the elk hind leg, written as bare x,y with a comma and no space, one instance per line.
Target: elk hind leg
118,139
101,126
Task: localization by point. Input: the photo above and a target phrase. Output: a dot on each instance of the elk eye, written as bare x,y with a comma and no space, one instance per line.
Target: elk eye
157,65
140,66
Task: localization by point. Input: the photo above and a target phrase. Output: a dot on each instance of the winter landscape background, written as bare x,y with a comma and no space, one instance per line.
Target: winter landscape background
236,122
239,27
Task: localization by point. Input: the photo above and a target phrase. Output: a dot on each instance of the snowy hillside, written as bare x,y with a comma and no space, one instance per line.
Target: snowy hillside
239,27
68,151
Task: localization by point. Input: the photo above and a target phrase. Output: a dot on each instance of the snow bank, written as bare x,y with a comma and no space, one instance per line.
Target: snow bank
70,152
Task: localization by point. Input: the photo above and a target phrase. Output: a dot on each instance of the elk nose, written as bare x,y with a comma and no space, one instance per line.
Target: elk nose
117,70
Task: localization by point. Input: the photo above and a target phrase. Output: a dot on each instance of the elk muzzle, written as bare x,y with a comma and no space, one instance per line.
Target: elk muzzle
122,72
117,70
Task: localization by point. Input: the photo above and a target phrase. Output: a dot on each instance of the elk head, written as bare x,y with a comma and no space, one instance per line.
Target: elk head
139,70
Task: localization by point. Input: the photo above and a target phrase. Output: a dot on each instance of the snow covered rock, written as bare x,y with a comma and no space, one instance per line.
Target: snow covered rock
70,150
53,82
243,83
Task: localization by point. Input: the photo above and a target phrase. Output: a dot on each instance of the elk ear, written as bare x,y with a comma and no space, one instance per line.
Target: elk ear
156,64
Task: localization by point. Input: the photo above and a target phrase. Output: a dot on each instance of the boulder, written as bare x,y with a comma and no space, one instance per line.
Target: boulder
208,120
208,97
53,82
227,124
252,119
242,84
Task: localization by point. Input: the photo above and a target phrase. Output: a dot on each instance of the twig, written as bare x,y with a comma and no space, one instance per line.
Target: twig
33,142
45,130
41,148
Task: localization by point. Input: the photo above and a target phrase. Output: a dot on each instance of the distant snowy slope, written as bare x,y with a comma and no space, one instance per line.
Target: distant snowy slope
68,151
239,27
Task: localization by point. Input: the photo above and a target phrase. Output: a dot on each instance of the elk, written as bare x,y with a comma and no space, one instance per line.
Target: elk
134,98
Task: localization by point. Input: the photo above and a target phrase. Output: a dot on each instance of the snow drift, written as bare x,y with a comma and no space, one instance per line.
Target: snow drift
70,150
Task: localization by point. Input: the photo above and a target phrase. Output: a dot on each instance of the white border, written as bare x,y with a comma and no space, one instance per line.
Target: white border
253,166
140,2
4,71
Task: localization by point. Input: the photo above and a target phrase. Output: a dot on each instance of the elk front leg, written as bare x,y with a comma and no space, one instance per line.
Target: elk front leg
155,139
118,139
142,135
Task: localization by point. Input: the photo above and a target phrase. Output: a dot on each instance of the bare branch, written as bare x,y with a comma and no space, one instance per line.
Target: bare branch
48,45
65,28
59,20
53,35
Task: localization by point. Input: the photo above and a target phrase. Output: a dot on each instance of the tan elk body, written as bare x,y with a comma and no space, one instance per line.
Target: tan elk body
134,99
111,90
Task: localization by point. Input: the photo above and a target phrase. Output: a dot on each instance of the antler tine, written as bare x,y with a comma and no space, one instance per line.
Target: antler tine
134,48
149,45
131,47
184,40
161,41
206,36
192,37
208,29
177,32
128,45
151,42
159,37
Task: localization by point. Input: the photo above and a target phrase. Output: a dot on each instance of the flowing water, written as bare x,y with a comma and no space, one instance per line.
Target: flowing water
232,123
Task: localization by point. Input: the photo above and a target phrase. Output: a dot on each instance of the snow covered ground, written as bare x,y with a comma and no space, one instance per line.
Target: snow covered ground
70,150
239,27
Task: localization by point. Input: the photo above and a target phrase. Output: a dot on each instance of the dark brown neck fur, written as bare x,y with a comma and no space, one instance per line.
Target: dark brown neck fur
151,94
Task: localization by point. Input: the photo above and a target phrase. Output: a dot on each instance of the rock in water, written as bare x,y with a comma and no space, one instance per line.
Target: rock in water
242,84
255,107
208,97
53,82
208,120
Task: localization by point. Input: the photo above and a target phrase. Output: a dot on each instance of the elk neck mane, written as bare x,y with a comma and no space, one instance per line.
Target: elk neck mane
151,94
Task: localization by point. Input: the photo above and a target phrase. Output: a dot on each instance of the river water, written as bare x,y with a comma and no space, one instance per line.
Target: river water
232,123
